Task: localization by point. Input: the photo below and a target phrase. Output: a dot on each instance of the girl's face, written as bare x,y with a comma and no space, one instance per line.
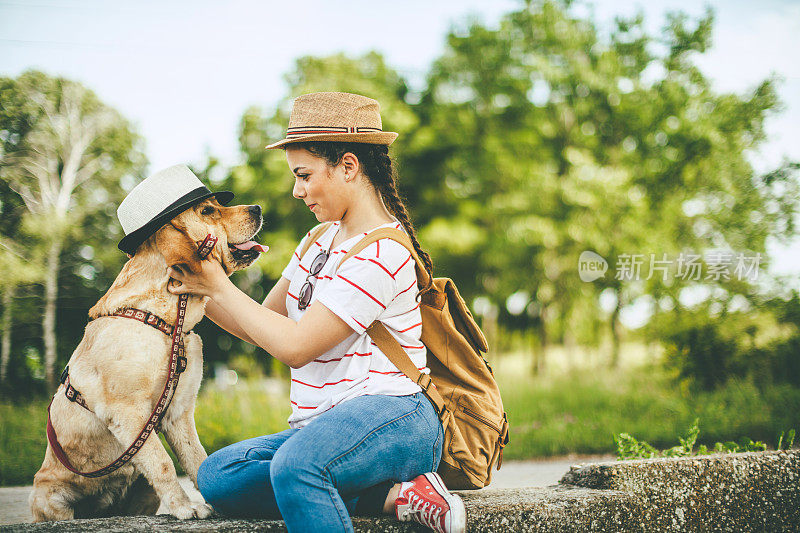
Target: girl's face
321,187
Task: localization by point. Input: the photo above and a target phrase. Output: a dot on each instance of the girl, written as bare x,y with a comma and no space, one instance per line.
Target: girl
362,437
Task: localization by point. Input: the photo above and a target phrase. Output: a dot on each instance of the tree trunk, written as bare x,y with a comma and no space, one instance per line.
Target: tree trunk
539,351
5,352
49,318
615,333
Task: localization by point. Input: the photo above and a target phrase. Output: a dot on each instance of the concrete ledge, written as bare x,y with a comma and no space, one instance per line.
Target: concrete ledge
754,491
557,508
736,492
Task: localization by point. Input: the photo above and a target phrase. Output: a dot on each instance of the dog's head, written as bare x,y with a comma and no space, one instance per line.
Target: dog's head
235,227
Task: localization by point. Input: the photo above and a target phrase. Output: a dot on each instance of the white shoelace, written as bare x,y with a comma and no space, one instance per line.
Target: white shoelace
426,513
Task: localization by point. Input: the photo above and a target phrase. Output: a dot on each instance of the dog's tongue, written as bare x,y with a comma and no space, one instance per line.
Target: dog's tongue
252,245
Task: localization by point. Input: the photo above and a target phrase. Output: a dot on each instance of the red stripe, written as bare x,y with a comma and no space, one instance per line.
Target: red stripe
293,296
413,284
315,406
354,354
377,263
387,373
303,406
362,290
297,256
378,251
323,385
404,346
359,323
318,244
302,267
404,330
410,310
401,266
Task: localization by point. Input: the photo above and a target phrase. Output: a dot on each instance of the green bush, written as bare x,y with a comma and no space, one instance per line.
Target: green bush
704,352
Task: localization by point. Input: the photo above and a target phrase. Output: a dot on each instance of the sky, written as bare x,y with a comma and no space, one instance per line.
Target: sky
183,72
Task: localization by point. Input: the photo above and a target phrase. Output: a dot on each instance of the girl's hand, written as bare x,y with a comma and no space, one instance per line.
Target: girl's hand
208,281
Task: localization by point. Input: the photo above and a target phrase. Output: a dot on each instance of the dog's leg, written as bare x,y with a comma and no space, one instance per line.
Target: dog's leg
51,500
181,434
178,424
153,461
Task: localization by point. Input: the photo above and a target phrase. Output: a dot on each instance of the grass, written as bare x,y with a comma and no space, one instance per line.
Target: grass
576,407
22,441
223,416
255,408
581,412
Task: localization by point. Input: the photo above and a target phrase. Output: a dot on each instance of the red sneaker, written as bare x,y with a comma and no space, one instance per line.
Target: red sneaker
426,500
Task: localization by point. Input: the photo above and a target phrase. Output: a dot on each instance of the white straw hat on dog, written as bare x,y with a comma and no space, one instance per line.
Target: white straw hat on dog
157,199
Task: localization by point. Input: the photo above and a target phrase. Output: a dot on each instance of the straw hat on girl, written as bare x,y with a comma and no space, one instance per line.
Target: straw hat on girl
331,116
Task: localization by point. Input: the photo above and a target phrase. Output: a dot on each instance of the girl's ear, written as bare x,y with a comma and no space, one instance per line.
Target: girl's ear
351,165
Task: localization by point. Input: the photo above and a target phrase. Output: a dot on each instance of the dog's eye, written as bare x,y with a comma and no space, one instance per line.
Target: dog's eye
207,210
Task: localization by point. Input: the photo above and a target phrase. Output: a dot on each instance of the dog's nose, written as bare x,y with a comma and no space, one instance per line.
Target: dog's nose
255,210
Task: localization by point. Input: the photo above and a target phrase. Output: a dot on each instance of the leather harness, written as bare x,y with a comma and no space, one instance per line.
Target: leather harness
177,364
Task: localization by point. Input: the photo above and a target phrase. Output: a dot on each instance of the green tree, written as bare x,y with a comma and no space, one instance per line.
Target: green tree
70,152
551,139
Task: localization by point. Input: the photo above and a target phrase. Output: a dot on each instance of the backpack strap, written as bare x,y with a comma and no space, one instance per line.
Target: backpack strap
396,235
399,357
313,236
378,332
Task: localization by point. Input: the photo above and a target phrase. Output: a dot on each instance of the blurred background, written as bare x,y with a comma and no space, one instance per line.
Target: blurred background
613,185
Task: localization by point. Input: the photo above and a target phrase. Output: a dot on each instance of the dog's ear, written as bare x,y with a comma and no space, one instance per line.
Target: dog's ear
177,247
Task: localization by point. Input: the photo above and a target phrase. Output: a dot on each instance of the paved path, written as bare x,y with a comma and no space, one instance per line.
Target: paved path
513,474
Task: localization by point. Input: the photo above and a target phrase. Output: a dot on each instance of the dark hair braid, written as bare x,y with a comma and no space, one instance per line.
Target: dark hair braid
377,166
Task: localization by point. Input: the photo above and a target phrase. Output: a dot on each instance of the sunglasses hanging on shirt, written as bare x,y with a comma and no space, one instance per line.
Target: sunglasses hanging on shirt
308,287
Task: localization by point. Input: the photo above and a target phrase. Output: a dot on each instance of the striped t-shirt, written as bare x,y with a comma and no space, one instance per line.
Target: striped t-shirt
378,283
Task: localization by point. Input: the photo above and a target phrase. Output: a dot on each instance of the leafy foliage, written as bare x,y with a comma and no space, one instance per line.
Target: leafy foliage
630,448
526,144
704,351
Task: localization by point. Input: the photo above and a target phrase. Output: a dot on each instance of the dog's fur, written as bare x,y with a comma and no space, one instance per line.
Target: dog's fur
120,367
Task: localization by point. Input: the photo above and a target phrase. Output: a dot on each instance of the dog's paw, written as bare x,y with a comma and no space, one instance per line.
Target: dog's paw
203,510
187,512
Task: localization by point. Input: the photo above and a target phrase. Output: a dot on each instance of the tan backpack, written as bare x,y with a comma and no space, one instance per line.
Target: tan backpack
461,384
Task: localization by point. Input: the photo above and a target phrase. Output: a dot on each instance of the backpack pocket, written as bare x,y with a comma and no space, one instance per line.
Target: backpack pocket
475,432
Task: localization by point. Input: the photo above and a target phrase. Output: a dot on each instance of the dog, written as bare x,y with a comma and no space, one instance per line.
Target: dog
120,368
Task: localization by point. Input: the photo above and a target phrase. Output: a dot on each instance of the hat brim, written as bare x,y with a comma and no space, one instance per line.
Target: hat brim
377,137
131,241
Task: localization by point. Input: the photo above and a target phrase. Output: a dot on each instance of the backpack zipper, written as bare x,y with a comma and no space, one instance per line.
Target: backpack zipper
481,418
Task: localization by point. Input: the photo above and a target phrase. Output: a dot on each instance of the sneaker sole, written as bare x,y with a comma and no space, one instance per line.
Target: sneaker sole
458,514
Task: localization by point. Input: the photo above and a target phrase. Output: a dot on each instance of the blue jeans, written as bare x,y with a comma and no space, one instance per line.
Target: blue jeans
312,477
